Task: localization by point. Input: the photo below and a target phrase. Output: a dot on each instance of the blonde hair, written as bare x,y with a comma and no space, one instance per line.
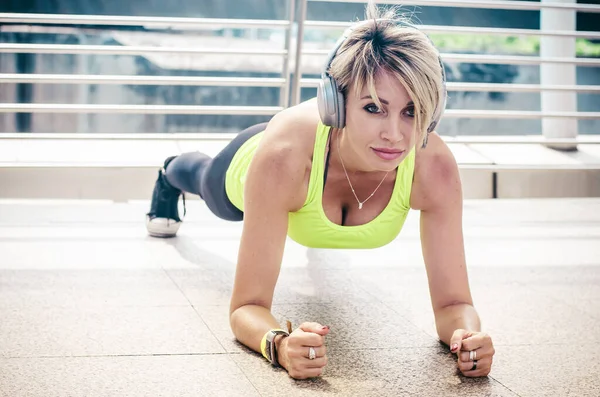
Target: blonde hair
384,43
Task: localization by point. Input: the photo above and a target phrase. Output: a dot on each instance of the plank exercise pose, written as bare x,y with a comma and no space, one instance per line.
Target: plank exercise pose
340,171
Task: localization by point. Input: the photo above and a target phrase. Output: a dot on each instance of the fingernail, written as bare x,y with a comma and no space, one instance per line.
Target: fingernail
325,327
454,347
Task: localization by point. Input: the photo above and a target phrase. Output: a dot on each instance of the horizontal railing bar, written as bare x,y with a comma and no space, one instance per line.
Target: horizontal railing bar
497,59
491,87
126,50
517,59
139,50
529,167
145,164
469,30
141,80
517,114
249,110
494,87
138,109
508,32
155,22
525,140
342,25
488,4
258,82
221,136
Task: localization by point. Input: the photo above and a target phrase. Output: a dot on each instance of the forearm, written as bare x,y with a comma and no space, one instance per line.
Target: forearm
249,324
453,317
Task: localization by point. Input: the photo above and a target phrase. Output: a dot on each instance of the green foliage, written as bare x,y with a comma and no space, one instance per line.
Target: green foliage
486,44
507,45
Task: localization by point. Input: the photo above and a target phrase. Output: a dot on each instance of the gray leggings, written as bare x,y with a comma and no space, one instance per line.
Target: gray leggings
197,173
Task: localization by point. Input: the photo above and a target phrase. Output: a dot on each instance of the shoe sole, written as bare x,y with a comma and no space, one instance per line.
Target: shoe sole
162,227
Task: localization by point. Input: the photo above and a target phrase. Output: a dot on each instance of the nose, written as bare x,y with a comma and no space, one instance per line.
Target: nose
392,130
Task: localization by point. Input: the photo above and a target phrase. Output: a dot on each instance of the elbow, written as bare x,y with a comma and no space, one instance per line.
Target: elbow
238,310
455,303
449,307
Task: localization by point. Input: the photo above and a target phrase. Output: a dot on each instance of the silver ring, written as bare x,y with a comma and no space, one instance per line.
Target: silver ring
312,354
474,367
472,355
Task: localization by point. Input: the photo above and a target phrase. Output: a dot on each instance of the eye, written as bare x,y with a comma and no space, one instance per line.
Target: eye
372,108
410,111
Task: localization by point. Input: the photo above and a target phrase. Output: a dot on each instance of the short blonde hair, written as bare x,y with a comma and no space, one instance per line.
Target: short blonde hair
383,42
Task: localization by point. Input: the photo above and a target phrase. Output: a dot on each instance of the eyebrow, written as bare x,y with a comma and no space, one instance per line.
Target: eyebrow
385,102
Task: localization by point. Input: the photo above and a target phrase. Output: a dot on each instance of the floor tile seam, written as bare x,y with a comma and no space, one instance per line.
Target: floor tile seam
195,310
248,378
21,306
225,353
504,386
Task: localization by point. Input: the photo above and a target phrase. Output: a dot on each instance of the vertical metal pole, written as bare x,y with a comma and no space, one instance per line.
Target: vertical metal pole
83,119
298,58
24,63
284,99
556,74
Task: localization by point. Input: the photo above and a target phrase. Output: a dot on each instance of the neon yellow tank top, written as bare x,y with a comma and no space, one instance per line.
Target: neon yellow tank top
309,226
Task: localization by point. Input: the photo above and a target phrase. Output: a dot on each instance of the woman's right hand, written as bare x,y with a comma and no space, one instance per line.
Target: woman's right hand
293,352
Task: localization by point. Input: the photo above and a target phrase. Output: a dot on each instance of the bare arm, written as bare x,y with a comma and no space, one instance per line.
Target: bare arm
457,321
274,180
276,185
442,243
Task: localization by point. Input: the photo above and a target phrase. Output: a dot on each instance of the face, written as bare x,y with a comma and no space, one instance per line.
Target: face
378,139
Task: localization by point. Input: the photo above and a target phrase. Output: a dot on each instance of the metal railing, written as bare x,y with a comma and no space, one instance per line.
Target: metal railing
291,55
259,82
488,4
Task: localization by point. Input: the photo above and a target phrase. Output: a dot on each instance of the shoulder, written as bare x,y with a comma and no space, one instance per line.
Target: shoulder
290,135
284,154
437,178
295,126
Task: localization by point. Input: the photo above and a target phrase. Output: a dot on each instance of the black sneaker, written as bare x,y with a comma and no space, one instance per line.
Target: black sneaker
163,219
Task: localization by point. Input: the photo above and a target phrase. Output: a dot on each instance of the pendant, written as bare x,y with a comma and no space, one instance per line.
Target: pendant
360,205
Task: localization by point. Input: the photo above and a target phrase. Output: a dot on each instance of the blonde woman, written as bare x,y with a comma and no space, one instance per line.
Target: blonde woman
340,171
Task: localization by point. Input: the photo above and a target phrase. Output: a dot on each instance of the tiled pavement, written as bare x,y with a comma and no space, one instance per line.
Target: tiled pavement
92,306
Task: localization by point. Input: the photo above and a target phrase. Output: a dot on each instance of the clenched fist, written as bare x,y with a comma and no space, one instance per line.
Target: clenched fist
303,353
475,351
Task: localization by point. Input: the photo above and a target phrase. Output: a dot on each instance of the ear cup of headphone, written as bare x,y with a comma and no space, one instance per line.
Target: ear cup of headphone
439,110
339,106
324,107
331,103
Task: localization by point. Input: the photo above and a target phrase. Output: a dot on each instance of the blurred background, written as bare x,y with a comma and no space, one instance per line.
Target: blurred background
112,87
127,39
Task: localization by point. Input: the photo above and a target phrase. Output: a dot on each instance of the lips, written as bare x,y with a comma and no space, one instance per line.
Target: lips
388,154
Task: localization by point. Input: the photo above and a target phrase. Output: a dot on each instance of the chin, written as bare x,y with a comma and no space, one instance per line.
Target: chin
387,165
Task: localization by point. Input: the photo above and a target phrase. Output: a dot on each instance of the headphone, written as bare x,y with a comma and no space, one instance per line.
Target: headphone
332,108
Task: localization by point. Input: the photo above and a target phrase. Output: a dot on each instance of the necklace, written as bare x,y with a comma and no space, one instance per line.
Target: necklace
360,203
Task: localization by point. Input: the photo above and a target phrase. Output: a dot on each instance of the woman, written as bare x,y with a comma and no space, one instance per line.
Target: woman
341,171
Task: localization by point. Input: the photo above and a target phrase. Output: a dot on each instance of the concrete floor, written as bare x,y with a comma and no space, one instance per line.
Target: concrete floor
91,306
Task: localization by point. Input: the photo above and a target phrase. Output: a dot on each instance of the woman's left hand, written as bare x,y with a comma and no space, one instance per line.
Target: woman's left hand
475,352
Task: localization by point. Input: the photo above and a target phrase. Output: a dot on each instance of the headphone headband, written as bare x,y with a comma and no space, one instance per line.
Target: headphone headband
331,55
